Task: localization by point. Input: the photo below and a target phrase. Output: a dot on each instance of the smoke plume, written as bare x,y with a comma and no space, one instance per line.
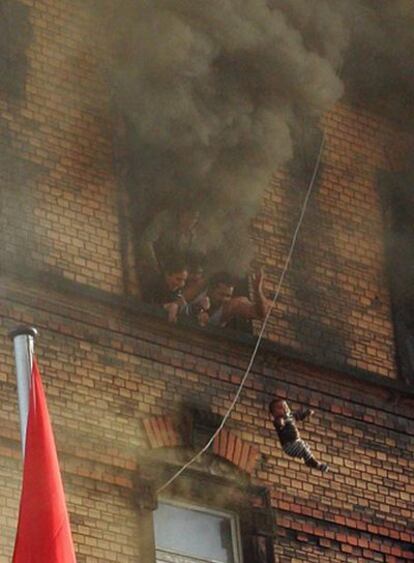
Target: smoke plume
211,93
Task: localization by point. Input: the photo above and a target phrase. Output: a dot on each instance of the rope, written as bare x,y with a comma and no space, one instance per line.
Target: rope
263,327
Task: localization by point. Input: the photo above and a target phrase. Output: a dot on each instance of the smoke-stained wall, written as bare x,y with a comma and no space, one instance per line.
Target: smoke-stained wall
107,368
15,37
59,202
398,205
335,304
214,94
106,372
211,93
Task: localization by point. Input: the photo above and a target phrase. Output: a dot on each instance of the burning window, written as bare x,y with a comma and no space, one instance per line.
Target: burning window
194,534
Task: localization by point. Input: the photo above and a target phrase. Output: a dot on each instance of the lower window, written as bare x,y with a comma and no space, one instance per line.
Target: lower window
192,534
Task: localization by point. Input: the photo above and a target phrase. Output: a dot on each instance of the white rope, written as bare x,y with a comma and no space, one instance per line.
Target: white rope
260,336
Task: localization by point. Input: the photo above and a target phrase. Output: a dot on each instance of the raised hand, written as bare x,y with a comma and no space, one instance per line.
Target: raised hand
258,279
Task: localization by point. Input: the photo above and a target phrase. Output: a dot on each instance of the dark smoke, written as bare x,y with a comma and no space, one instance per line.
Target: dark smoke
379,64
372,42
15,37
212,92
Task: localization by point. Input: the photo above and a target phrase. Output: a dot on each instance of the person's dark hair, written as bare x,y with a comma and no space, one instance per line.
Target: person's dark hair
222,277
274,401
174,264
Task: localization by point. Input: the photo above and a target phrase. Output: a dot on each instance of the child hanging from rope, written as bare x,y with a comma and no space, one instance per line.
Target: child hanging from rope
284,421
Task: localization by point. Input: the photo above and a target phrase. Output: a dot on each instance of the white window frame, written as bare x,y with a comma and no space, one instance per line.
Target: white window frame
234,526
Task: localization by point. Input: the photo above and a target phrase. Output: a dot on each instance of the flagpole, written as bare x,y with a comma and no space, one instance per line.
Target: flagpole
23,339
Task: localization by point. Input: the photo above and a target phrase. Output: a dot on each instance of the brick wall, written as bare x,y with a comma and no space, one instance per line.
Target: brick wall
59,196
335,304
108,372
61,202
107,367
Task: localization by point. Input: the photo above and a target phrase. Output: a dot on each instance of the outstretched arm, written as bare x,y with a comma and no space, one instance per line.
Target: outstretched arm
261,302
247,309
302,414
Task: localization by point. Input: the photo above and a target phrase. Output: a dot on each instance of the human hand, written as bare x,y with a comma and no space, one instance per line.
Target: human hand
172,311
203,317
205,303
258,279
202,313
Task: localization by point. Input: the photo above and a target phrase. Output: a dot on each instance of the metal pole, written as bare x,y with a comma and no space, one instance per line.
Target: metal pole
23,340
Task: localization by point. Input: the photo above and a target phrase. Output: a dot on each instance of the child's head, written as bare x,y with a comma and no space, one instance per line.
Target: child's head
279,408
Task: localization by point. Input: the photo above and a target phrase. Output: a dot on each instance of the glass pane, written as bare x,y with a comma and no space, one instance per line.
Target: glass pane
167,557
186,531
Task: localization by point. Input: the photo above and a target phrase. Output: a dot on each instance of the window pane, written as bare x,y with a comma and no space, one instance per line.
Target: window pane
190,532
167,557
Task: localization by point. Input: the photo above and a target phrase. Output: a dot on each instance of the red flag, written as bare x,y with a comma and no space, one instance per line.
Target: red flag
43,533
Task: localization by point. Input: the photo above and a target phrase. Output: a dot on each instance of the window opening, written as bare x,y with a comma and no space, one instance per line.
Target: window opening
398,205
192,534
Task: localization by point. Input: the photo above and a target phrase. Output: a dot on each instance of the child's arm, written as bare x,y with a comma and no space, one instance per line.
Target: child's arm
278,422
301,414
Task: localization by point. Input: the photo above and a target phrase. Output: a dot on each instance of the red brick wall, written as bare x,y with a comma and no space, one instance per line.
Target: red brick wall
106,372
107,368
335,304
60,210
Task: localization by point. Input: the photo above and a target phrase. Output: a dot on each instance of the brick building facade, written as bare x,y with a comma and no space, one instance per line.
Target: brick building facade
131,398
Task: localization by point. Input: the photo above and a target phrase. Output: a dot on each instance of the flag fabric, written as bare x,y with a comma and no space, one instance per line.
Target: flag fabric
43,532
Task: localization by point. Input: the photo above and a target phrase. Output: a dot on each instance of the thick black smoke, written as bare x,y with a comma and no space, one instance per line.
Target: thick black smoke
211,92
15,37
372,42
379,65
